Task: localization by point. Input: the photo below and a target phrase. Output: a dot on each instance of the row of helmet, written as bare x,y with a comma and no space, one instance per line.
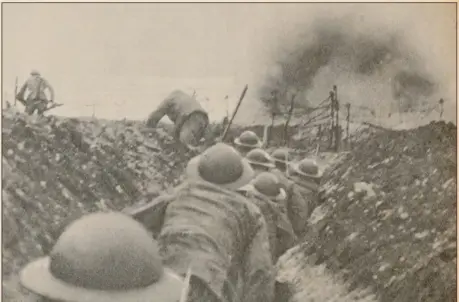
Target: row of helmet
250,145
110,257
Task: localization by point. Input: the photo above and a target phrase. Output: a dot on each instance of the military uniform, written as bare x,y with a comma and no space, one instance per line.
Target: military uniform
186,113
36,99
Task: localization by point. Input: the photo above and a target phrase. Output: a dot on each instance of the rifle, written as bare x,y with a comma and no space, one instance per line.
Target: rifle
15,91
54,105
234,113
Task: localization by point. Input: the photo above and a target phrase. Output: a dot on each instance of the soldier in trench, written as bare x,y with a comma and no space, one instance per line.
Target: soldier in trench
267,193
247,141
102,257
301,182
206,225
36,99
260,160
189,118
304,194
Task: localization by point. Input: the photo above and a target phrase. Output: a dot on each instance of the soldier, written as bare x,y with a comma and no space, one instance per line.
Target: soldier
260,160
305,196
36,99
190,119
281,161
281,158
222,235
267,193
247,141
102,257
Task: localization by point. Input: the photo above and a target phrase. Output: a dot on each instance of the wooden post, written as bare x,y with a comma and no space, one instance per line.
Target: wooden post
337,127
268,134
441,101
15,91
332,117
289,117
348,118
93,105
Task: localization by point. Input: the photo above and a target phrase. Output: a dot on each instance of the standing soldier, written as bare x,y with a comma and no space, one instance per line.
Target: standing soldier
36,99
189,118
247,141
102,257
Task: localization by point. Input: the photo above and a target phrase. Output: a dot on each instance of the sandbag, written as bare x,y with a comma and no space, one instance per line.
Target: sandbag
223,237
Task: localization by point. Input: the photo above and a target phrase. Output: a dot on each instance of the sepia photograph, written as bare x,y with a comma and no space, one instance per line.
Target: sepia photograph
229,152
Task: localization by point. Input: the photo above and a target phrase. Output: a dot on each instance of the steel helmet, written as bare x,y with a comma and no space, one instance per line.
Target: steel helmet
260,157
280,155
105,257
307,168
248,139
222,165
268,184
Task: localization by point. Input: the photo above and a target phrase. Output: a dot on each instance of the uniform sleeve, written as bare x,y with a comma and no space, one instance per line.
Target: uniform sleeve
298,210
285,235
21,93
158,114
260,273
152,214
50,88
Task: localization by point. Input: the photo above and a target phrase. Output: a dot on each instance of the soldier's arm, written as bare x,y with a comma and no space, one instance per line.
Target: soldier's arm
285,234
260,272
152,214
298,210
158,114
50,89
21,93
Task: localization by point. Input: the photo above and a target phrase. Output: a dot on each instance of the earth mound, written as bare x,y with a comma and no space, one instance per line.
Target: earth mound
388,223
55,170
389,219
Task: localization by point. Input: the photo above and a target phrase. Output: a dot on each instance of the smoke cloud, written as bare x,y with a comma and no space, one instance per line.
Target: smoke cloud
375,66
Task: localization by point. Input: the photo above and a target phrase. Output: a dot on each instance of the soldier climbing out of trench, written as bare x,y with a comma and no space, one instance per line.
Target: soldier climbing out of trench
102,257
208,226
189,118
36,99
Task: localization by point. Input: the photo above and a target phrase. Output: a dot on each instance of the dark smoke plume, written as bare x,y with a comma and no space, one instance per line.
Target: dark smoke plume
374,69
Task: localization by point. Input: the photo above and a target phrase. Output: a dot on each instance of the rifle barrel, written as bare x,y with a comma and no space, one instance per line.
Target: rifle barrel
234,113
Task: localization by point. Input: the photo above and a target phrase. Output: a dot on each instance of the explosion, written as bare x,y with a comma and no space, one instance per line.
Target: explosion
372,67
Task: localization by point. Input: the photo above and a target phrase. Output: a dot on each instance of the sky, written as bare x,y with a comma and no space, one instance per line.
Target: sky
126,58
